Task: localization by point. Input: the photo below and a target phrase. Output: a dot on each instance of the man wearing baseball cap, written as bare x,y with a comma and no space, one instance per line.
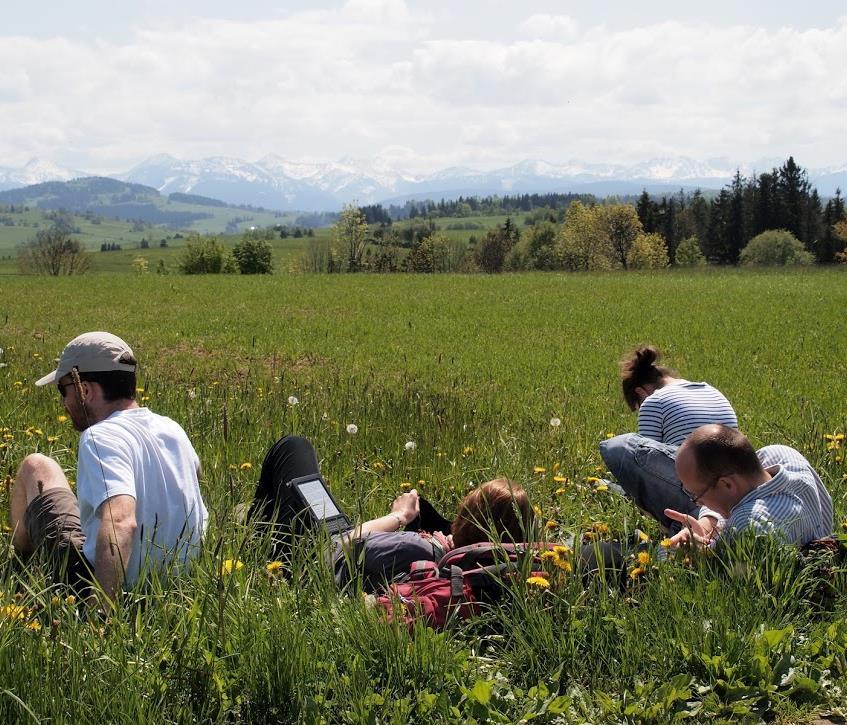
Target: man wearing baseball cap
139,505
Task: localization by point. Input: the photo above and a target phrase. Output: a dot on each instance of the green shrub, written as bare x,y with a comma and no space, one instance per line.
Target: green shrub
688,253
202,255
775,248
648,251
253,256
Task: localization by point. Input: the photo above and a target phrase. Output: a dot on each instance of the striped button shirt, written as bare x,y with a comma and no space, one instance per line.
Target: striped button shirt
671,413
793,505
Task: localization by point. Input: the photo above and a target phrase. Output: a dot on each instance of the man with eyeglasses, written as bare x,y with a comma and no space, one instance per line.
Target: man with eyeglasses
139,505
773,490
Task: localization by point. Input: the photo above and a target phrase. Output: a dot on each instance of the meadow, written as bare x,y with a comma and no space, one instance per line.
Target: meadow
475,370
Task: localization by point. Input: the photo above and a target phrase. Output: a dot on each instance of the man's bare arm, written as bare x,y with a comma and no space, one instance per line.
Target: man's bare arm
114,542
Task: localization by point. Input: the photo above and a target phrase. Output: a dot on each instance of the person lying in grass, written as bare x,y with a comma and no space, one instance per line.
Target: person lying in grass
379,549
669,409
773,490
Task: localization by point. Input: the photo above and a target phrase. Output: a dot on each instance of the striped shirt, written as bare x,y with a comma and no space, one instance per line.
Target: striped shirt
671,413
793,504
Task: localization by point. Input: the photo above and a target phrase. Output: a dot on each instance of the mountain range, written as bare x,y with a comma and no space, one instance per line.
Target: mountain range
277,183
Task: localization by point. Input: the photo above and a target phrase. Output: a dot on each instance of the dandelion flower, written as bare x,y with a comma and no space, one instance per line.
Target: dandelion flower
600,487
552,524
560,479
421,482
34,625
548,555
410,445
539,469
467,450
562,550
564,565
636,572
246,466
273,567
555,422
560,491
643,558
231,565
666,543
352,429
643,537
62,419
406,485
538,581
293,400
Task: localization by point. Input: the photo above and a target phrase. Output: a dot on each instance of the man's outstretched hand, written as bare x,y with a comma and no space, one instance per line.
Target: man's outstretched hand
695,532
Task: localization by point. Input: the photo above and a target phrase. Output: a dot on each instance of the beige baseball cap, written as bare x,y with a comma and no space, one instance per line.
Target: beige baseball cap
93,352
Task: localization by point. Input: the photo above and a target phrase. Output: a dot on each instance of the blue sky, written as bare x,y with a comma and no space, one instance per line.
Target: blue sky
422,85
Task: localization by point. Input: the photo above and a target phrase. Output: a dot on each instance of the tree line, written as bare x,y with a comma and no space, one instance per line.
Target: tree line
782,198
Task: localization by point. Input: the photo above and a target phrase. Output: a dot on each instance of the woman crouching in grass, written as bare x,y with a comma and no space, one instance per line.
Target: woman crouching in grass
380,549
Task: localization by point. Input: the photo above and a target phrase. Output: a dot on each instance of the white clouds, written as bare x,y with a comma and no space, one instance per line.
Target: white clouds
376,76
549,27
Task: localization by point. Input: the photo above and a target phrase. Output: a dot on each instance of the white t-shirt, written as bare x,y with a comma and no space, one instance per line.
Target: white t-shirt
149,457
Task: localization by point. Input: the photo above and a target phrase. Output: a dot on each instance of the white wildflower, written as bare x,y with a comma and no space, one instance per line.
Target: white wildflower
555,422
352,429
411,445
293,400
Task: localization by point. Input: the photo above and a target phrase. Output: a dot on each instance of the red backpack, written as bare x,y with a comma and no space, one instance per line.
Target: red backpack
460,584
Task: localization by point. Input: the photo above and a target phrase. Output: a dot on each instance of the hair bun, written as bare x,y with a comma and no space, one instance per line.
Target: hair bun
646,357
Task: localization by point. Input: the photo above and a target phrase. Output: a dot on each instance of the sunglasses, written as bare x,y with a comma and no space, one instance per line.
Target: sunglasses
62,387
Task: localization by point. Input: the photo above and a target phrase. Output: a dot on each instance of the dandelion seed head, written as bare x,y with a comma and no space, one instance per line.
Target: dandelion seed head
352,429
293,400
555,422
410,445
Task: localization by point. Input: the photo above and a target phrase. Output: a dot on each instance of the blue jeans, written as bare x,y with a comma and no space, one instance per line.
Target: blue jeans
646,470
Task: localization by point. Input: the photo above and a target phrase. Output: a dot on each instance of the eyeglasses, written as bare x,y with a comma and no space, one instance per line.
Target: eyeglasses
695,499
62,387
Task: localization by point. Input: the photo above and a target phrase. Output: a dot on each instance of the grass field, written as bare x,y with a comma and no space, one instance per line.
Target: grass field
471,368
287,252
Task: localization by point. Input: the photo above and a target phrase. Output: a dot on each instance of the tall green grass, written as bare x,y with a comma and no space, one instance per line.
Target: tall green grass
472,369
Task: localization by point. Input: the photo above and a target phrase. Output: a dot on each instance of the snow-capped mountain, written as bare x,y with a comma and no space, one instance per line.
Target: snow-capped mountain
35,171
278,183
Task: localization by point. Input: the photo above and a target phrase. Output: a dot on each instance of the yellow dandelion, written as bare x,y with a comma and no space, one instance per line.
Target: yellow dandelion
548,556
378,466
62,419
246,466
273,567
560,479
34,625
52,439
537,510
643,558
467,450
421,482
539,582
600,527
592,479
539,469
564,565
636,572
666,543
17,384
643,537
70,600
556,467
560,491
600,487
231,565
589,536
562,550
139,390
55,601
406,485
552,524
